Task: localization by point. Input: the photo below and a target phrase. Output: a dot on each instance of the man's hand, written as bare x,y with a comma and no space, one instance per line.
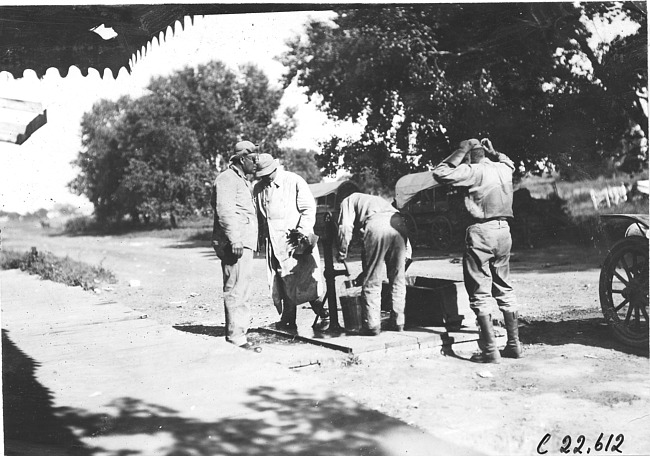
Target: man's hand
489,150
237,249
340,257
469,144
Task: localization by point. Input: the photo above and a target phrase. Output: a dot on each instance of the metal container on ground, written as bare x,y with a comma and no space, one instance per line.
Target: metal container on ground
351,301
432,302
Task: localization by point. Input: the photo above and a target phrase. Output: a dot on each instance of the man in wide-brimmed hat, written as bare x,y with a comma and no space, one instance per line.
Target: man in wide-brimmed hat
287,212
486,263
234,238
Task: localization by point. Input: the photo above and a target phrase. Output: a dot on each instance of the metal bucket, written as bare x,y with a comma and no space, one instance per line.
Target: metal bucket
351,302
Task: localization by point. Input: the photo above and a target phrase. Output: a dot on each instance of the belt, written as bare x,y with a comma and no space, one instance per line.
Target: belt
491,219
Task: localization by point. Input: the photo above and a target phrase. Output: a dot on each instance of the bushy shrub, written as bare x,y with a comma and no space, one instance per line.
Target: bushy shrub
79,225
50,267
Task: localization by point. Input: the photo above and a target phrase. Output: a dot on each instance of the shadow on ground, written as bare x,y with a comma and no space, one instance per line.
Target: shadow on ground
29,415
188,244
254,336
278,422
593,332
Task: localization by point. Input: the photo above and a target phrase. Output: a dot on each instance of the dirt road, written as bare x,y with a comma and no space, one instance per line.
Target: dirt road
575,379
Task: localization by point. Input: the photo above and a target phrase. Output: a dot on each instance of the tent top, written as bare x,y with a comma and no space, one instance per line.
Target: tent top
327,188
408,186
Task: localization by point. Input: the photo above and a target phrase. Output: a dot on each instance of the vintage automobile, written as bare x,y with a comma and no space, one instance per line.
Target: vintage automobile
623,285
434,213
328,196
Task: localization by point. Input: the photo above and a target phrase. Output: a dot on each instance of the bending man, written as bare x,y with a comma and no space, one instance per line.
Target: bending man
384,237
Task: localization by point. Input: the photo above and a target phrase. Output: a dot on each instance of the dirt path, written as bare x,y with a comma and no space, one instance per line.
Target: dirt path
575,378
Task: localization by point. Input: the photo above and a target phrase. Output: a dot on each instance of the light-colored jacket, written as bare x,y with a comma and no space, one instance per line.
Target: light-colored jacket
235,218
489,184
355,212
285,204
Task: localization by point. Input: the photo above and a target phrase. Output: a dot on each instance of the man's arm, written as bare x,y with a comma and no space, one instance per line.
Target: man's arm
461,175
451,171
215,223
498,156
306,205
503,158
346,227
226,210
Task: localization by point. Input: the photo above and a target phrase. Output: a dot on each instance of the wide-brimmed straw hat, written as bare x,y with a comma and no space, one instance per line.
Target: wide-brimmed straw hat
266,164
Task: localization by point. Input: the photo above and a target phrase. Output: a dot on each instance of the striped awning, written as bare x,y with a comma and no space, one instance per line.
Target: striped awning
19,119
59,36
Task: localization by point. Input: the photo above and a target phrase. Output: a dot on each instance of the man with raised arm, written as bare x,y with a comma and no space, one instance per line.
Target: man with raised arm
486,262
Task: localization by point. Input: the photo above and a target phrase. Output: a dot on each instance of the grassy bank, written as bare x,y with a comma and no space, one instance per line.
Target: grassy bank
62,270
580,220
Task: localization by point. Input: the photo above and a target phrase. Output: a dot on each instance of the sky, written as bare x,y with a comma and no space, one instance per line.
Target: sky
34,175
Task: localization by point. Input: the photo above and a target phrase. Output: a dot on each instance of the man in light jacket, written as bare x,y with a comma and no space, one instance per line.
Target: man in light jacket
486,263
234,238
286,206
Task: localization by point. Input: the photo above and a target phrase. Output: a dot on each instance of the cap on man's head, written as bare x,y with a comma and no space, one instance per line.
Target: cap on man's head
474,144
243,148
266,164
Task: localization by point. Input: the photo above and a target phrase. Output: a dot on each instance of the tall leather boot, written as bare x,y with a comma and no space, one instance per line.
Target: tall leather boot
513,346
486,342
288,318
322,322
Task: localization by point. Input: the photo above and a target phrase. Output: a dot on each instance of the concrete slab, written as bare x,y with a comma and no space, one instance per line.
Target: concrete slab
413,338
82,377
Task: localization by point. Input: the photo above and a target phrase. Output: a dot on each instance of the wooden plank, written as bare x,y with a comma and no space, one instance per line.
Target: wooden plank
21,105
19,133
32,126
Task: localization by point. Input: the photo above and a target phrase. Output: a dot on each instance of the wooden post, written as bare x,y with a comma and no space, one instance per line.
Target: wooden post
331,273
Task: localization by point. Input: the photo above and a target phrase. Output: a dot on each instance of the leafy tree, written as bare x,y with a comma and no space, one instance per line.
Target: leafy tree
303,163
102,159
421,78
154,155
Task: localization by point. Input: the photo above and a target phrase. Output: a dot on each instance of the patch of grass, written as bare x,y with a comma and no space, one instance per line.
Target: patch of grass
62,270
81,225
351,360
195,228
583,223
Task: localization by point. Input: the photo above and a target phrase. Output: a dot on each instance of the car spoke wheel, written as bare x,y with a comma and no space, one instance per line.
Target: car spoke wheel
624,290
411,225
441,233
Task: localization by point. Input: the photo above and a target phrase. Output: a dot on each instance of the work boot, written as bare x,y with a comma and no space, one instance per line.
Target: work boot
370,331
513,346
322,322
252,347
486,342
288,319
283,325
392,326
